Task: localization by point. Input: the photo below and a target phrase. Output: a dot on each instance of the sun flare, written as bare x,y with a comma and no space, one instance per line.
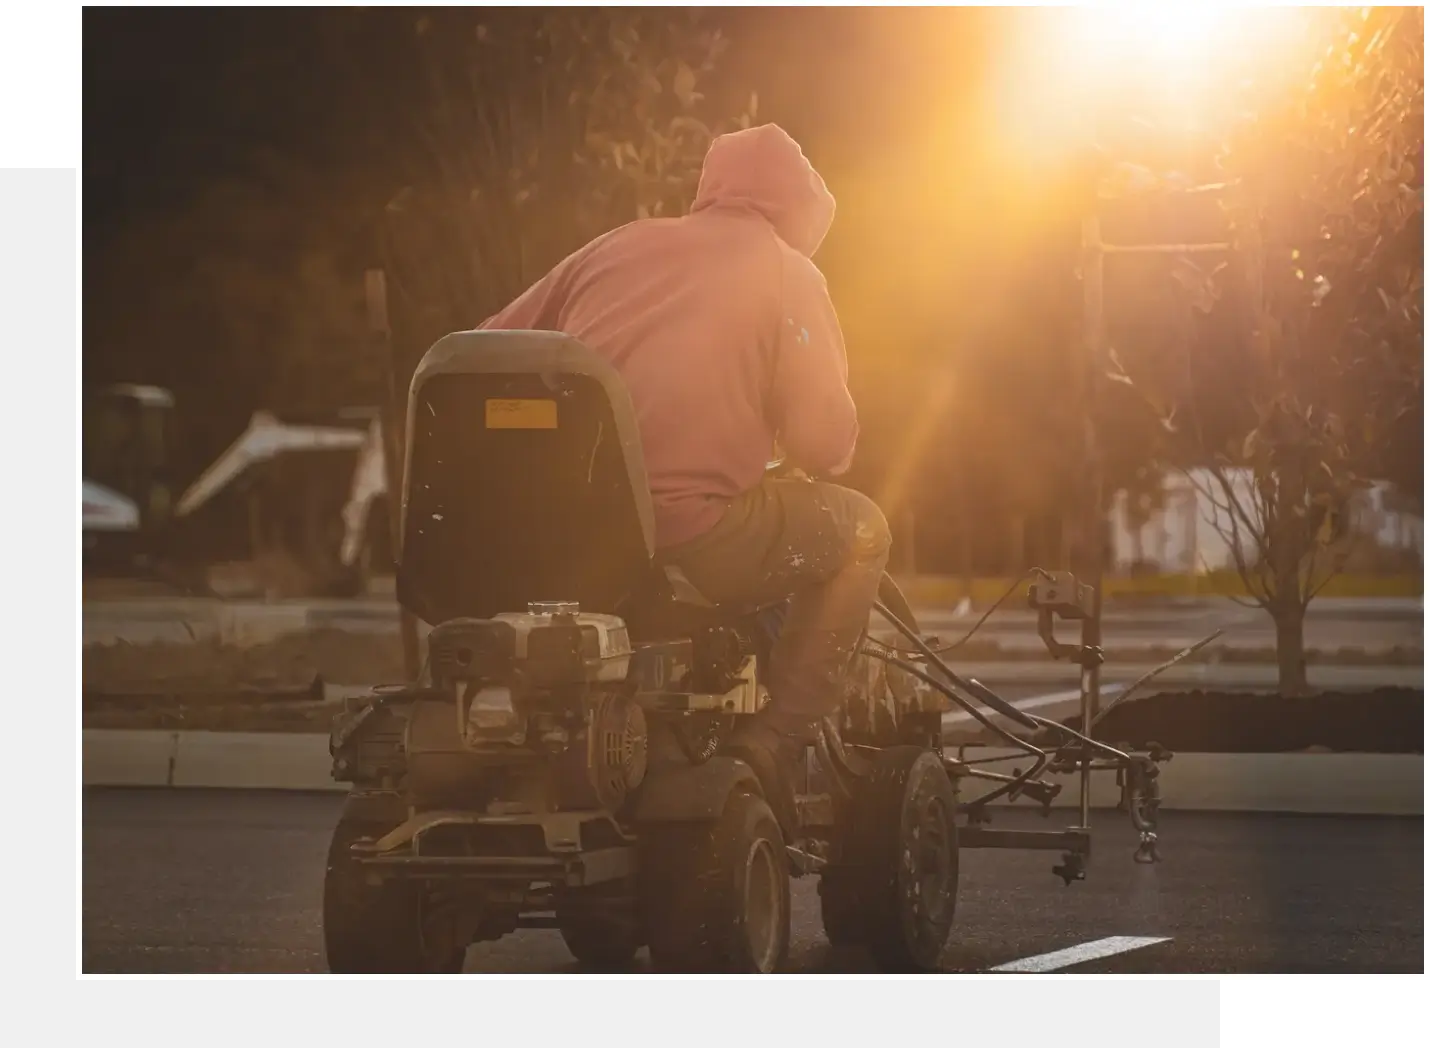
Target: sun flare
1147,32
1176,63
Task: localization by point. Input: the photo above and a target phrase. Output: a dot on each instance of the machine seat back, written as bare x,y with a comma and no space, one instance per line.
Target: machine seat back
524,479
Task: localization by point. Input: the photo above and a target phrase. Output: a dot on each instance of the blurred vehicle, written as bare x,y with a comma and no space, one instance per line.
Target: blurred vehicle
309,493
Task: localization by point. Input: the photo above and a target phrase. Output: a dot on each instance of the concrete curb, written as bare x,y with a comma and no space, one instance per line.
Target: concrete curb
229,760
130,758
258,761
1302,783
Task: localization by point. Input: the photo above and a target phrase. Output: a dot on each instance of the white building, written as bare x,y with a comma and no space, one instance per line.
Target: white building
1188,534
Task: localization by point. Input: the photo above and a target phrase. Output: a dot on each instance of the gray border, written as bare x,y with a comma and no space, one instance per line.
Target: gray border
1063,1011
37,283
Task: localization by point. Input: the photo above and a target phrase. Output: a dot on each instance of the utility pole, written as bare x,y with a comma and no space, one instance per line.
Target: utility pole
1093,366
1093,369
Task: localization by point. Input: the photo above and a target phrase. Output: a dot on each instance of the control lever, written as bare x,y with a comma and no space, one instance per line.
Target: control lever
995,702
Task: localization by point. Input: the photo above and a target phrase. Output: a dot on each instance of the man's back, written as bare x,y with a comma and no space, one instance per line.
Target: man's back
719,327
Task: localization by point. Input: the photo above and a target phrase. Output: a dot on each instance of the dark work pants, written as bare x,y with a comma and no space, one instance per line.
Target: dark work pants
822,546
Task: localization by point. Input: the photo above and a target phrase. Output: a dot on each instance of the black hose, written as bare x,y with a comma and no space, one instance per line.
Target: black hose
1138,804
892,597
903,603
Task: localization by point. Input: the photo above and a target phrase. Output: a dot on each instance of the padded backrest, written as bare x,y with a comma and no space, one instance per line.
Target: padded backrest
524,479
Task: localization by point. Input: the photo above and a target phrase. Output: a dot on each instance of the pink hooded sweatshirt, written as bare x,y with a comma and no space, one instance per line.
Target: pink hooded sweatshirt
721,327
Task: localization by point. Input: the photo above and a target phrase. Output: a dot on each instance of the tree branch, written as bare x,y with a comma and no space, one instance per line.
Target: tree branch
1254,578
1254,603
1338,564
1258,525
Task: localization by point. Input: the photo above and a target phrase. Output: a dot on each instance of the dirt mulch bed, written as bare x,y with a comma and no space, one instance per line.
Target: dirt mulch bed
1383,720
209,713
1393,656
1228,655
208,686
209,666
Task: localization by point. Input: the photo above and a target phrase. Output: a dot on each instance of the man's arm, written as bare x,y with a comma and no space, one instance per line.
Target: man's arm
813,412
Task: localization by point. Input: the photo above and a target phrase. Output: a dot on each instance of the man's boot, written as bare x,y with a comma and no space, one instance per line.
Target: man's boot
774,756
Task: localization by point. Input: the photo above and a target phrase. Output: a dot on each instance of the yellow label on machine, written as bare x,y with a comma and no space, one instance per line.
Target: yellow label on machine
521,414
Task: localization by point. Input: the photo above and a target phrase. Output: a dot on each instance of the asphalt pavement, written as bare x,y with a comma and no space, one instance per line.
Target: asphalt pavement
200,881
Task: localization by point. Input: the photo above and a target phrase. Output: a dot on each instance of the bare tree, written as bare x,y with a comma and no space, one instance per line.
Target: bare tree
1326,280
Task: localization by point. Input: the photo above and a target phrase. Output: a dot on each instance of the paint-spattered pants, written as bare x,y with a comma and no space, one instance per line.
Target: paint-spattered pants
822,546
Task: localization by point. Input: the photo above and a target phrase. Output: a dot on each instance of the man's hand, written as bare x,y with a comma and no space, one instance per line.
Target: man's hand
783,469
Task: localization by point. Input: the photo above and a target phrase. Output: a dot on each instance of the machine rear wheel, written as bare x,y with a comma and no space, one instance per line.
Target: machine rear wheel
716,895
894,882
376,929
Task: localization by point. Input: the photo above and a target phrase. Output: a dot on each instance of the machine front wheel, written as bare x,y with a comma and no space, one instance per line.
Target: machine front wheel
716,895
893,885
376,929
600,928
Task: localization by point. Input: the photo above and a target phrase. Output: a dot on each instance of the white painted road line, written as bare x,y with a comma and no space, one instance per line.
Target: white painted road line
1034,702
1081,954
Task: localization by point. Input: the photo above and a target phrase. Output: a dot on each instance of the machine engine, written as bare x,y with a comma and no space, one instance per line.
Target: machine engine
529,690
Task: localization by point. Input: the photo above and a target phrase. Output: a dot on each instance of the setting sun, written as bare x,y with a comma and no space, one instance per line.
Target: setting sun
1149,31
1174,63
